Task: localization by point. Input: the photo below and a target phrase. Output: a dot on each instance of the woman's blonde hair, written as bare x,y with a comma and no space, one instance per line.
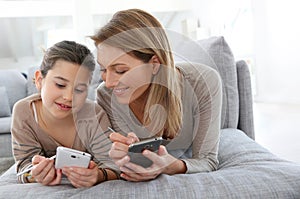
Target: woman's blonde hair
141,35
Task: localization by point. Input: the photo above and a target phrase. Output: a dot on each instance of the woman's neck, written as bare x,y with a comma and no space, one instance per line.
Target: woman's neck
138,105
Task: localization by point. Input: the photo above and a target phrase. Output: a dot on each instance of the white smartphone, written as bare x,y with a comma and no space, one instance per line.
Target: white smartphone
135,151
66,157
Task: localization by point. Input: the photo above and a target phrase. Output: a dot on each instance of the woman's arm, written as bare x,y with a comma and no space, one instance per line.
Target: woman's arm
207,117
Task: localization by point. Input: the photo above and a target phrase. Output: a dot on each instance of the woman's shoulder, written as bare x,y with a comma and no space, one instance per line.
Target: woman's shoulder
190,69
195,72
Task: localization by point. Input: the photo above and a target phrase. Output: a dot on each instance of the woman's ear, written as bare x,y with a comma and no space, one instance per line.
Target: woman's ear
156,64
38,77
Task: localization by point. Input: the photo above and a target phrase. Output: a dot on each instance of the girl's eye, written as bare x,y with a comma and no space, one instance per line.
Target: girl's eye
60,85
79,91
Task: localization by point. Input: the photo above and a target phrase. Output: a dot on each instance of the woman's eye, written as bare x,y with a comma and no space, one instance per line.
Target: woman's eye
102,70
121,72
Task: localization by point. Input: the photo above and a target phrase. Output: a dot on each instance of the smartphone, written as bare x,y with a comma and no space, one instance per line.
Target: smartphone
135,151
66,157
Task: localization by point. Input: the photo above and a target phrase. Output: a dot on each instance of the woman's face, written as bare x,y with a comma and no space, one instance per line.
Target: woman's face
126,75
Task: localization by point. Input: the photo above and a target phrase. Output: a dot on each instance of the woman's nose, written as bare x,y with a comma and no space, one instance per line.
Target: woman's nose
110,79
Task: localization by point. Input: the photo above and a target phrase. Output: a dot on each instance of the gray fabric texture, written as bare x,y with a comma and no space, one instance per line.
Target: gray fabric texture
4,104
15,87
215,53
246,123
31,89
5,145
246,170
5,124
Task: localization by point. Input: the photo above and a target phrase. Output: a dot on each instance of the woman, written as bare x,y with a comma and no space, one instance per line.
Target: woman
146,94
60,115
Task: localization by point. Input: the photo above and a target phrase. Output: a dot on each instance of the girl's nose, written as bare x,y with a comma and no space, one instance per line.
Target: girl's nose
68,94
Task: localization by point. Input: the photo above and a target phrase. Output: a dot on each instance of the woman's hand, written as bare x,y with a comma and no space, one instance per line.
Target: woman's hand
119,149
163,162
83,177
44,171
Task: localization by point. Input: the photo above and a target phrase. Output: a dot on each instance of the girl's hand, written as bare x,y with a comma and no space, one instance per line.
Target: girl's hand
163,162
44,171
82,177
119,149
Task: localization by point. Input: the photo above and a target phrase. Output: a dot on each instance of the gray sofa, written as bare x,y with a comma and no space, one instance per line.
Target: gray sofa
246,169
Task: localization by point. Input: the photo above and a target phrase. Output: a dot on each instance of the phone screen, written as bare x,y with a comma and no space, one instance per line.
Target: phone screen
135,151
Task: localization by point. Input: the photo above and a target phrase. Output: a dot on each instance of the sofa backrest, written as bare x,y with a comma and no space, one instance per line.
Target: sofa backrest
215,53
15,85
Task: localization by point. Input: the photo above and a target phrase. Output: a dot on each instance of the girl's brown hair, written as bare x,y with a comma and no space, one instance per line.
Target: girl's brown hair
68,51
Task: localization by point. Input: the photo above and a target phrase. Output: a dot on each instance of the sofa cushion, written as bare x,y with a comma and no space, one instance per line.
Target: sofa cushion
4,104
215,53
31,89
247,170
15,84
5,123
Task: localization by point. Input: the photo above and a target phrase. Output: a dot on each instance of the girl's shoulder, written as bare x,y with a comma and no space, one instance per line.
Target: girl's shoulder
23,106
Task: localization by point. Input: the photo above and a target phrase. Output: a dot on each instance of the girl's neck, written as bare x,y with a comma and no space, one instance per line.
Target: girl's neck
51,121
62,131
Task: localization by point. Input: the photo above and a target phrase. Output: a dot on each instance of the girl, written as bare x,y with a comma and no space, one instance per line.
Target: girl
146,94
61,115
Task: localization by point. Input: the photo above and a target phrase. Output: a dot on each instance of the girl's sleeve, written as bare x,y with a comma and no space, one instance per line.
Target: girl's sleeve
207,119
24,141
94,133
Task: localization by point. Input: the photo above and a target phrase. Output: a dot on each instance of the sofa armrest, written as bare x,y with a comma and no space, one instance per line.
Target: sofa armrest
245,123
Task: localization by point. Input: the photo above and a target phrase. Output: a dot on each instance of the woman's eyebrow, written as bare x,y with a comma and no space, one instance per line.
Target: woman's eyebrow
111,66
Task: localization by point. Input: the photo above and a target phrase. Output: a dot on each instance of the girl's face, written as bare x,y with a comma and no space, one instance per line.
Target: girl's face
128,76
64,89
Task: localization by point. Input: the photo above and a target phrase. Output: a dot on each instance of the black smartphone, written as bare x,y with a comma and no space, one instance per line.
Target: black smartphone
135,151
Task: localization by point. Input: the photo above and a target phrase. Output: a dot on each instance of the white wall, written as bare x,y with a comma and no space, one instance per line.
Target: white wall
276,43
27,27
274,40
277,50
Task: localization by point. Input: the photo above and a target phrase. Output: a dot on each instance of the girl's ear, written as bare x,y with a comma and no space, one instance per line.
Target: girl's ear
156,64
38,77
